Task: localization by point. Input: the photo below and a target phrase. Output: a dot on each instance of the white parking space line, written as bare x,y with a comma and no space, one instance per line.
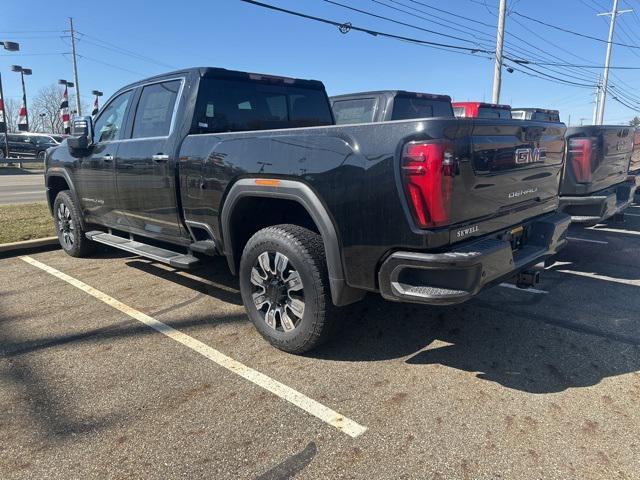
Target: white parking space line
530,289
292,396
27,193
614,230
635,283
576,239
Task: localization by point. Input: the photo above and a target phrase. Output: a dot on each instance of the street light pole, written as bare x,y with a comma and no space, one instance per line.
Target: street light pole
11,47
23,71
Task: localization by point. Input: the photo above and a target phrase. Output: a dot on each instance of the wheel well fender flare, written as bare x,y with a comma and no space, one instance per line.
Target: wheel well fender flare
301,193
60,173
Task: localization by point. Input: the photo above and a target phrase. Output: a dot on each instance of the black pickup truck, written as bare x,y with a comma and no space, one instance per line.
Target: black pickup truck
310,215
596,183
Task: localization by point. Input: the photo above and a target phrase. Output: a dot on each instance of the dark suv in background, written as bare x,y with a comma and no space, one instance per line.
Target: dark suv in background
28,145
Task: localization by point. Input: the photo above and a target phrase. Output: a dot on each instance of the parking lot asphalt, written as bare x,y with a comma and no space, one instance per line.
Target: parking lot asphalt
26,188
513,384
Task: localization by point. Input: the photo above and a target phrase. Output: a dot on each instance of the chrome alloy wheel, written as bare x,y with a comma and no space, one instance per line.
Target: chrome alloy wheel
65,225
278,291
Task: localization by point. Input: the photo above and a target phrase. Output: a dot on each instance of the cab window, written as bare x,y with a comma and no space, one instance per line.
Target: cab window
155,109
360,110
110,123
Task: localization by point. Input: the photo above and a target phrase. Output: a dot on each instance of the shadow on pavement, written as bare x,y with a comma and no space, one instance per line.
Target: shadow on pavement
519,350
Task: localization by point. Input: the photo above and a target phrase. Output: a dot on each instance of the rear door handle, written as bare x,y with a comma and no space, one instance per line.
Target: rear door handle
159,157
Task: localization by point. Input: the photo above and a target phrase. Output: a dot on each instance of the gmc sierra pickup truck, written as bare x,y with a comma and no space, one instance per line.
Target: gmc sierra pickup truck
596,184
310,215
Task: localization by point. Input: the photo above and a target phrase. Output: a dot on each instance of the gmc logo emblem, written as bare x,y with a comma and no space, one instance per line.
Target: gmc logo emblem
530,155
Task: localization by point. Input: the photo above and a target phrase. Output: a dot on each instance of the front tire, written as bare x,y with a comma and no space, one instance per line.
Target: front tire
69,226
284,285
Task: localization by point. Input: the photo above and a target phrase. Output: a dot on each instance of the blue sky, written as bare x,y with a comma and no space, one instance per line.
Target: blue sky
159,35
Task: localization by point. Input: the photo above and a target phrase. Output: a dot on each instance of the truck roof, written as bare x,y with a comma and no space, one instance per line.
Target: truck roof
480,104
393,93
217,72
533,109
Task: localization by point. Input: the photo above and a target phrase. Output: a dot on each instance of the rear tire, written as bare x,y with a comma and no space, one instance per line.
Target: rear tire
69,226
284,285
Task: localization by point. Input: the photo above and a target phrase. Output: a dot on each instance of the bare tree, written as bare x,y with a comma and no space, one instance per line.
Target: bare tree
11,110
44,113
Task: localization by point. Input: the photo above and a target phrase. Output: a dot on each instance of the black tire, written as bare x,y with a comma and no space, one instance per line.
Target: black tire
69,226
304,252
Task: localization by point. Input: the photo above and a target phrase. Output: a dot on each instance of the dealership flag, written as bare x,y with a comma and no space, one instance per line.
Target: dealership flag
2,124
94,112
23,126
64,111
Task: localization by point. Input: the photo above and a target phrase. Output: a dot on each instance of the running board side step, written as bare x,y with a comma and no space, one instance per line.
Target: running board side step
175,259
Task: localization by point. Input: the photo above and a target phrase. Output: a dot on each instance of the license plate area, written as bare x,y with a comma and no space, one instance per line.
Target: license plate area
516,237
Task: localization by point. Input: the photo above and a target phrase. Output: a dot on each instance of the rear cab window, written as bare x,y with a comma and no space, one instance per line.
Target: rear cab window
356,110
236,105
408,107
546,117
492,112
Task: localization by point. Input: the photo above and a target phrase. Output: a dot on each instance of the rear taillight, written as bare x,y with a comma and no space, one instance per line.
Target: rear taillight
427,174
580,154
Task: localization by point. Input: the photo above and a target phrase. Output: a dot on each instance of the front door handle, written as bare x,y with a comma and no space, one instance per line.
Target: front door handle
107,158
159,157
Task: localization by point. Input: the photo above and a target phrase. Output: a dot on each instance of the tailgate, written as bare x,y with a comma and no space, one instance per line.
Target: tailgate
505,165
611,148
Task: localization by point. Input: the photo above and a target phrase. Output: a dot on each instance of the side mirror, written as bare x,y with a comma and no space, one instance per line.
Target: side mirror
81,138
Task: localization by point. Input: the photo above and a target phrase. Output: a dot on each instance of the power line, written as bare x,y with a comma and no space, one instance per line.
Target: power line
397,21
117,49
348,26
467,30
602,40
511,48
85,57
558,79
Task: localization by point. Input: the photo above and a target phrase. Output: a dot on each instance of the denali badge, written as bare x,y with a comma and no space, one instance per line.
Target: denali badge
467,231
520,193
530,155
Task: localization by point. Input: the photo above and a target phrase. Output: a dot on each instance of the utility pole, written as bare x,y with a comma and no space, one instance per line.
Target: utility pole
596,103
497,72
75,66
605,76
